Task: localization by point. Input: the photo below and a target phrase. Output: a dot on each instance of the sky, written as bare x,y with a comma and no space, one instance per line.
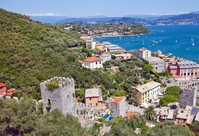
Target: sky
84,8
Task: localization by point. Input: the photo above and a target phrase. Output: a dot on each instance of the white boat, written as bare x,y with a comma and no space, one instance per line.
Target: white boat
187,49
170,54
176,40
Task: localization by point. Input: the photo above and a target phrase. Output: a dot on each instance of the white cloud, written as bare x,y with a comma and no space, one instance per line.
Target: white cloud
44,14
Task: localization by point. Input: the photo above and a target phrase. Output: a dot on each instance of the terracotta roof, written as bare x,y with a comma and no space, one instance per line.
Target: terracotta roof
118,99
92,59
142,49
131,115
2,84
10,90
80,61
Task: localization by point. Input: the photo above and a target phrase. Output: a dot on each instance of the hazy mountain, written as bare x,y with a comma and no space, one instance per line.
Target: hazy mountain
190,18
48,19
87,19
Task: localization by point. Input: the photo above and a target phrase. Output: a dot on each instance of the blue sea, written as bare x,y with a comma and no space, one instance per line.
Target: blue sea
180,40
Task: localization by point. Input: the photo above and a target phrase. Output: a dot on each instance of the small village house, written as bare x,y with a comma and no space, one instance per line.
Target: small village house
105,57
157,63
99,46
143,53
93,97
2,89
126,56
117,106
92,62
146,92
90,44
10,91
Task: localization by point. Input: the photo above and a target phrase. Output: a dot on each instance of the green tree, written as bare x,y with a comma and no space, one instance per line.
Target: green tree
21,116
172,95
168,128
149,113
148,67
57,124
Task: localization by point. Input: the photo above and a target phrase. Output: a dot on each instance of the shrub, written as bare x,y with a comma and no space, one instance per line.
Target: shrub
52,85
119,93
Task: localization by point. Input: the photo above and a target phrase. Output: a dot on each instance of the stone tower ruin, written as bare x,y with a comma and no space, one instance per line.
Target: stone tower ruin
188,97
61,97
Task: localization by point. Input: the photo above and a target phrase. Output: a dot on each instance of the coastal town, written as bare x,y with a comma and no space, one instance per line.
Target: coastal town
184,73
59,80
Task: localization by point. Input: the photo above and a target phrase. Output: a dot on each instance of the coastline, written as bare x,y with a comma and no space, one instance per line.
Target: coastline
175,39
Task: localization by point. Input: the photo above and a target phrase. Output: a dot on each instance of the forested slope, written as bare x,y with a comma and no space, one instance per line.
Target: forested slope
32,51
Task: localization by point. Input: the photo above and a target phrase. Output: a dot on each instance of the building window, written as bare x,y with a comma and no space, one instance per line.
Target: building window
96,62
96,104
192,73
90,98
188,74
184,74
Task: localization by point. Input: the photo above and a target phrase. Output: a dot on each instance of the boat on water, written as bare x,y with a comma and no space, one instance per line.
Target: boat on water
176,40
170,54
187,49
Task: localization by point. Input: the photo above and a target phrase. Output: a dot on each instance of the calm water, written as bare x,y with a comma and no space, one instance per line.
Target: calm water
180,40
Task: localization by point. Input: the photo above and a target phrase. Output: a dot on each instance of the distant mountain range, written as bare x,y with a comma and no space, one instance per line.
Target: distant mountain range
190,18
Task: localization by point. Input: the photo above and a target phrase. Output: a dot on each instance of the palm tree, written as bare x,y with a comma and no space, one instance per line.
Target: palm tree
149,113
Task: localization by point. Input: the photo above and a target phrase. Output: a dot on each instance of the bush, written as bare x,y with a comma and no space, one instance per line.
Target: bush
52,85
119,93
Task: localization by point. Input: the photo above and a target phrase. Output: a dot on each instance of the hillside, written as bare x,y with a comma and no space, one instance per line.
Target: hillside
32,51
100,29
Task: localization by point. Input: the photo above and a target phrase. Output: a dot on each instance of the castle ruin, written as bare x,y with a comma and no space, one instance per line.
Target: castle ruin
61,97
188,97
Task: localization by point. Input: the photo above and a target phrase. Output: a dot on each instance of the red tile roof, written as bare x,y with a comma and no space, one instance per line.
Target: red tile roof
131,115
80,61
2,84
142,49
117,99
92,59
10,90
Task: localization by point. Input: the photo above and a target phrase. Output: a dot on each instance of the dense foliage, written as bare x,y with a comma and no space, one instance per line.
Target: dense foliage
168,128
124,29
126,127
32,51
23,117
172,95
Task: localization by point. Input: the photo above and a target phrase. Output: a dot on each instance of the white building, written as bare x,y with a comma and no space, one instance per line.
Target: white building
105,57
144,53
157,63
92,62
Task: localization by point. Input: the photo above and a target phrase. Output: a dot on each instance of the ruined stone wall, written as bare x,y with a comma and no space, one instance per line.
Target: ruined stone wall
62,98
188,97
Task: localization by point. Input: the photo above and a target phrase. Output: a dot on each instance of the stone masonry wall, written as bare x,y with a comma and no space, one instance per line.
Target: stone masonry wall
187,97
62,98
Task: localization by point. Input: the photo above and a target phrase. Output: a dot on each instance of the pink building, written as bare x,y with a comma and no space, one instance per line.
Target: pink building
10,91
93,97
2,89
184,70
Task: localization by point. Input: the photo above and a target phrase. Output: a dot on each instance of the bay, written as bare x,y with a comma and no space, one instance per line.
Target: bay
180,40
